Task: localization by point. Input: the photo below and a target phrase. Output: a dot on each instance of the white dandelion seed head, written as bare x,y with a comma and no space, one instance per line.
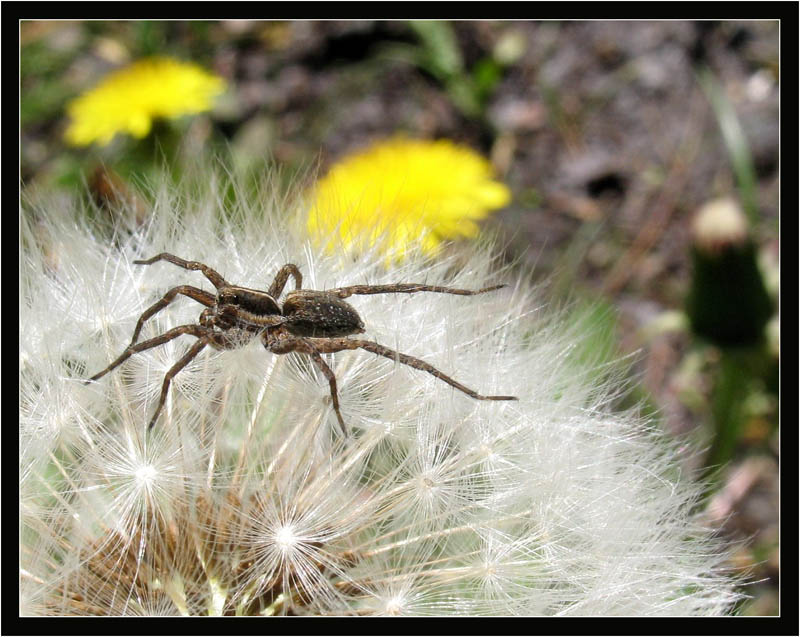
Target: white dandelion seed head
244,498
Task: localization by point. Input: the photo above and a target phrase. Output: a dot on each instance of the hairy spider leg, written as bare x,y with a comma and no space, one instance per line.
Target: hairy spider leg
338,344
192,329
280,280
304,346
183,362
211,274
201,296
406,288
205,336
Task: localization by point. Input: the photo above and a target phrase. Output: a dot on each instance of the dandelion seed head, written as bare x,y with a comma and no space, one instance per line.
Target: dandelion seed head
244,498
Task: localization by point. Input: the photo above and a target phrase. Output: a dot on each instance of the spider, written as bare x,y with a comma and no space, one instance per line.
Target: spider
309,322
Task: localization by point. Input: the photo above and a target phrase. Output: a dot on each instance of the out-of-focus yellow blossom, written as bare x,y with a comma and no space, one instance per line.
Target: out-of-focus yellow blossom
400,193
128,100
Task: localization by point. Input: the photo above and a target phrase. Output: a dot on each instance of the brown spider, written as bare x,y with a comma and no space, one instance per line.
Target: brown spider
309,322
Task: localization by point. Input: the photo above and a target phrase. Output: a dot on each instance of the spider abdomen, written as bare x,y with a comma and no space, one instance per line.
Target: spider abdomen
319,315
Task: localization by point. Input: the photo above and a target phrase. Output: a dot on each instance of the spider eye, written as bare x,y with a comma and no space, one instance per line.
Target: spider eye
227,297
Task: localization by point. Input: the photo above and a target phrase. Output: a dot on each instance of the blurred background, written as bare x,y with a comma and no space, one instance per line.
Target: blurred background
642,160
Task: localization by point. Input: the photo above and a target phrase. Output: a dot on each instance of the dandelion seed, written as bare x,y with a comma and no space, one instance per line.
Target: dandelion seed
394,606
285,538
146,474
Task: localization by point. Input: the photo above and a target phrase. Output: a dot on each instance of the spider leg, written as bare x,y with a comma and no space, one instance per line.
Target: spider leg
185,359
328,373
339,344
406,288
306,347
280,280
193,330
211,274
206,298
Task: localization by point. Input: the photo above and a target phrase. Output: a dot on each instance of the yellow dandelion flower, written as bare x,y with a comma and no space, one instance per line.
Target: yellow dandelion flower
401,192
128,100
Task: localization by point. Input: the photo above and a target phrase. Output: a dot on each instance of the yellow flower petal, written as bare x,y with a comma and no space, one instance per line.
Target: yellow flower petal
128,100
400,193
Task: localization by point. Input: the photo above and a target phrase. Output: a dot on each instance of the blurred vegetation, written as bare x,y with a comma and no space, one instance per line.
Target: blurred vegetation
610,136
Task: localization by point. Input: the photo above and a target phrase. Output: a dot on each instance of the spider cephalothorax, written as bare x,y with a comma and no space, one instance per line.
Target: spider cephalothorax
309,322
